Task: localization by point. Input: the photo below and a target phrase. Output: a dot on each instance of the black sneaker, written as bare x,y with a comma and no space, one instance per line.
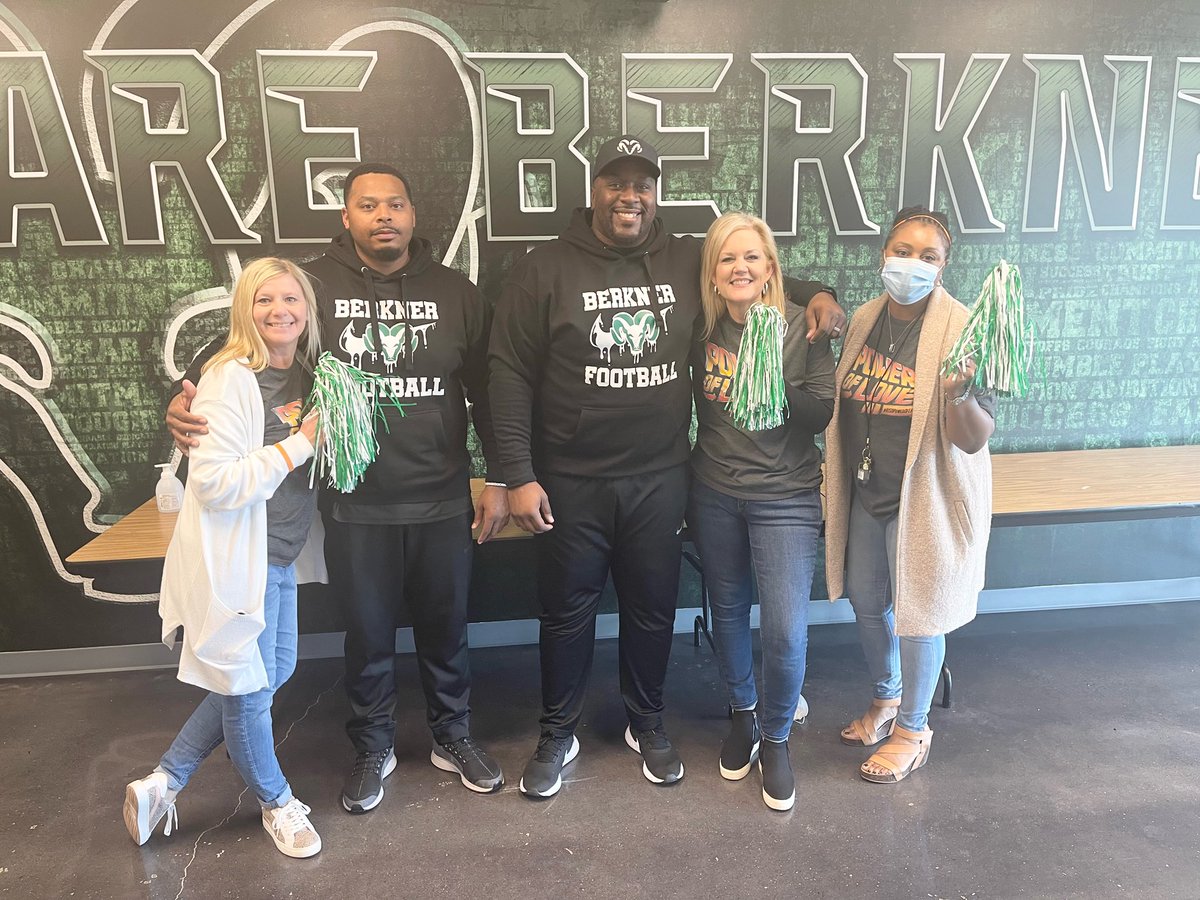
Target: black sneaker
364,788
543,773
479,772
740,749
660,763
779,784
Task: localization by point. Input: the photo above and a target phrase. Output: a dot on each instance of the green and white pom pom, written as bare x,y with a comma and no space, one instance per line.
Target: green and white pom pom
758,398
997,336
346,398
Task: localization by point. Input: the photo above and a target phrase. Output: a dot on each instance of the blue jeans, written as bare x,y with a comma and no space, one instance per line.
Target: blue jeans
771,544
905,667
244,722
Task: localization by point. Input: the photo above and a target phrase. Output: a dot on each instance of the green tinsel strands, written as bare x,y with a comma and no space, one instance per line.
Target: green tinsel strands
758,399
346,399
997,336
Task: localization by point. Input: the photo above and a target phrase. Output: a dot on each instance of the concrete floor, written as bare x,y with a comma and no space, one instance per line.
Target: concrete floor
1066,769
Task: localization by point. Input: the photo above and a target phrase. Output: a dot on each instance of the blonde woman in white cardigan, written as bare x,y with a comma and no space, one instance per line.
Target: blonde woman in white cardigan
229,576
908,490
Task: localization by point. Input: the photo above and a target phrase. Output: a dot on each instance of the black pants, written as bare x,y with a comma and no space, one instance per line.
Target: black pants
373,569
631,526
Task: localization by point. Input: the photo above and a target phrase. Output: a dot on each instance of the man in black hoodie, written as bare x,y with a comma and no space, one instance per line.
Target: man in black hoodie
592,403
404,534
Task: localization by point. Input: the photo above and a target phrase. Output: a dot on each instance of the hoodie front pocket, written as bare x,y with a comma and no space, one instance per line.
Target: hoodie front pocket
421,435
413,455
620,436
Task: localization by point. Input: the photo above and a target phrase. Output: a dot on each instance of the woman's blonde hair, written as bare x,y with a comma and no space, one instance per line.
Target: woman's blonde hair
244,339
718,233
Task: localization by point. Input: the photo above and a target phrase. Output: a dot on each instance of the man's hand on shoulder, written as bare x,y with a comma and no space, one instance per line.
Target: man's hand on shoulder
183,425
530,508
823,318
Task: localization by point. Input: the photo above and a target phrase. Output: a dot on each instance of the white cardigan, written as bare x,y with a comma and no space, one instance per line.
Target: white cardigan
215,573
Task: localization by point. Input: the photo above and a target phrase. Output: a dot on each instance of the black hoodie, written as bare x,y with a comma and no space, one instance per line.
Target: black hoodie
589,356
425,329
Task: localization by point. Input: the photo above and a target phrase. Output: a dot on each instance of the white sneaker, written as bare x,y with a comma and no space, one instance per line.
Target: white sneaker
289,827
147,802
801,710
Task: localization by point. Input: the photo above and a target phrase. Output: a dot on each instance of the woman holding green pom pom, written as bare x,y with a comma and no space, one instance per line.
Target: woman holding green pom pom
229,576
908,490
755,509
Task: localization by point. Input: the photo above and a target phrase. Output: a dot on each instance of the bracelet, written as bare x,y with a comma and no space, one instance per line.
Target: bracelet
966,395
495,484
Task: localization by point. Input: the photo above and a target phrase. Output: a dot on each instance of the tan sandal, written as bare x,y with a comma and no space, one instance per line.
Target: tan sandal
876,724
906,751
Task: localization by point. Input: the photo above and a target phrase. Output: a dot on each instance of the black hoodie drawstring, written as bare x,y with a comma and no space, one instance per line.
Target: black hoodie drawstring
409,350
372,309
646,266
373,306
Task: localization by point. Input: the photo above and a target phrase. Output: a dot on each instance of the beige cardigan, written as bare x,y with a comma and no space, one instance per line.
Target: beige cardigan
945,511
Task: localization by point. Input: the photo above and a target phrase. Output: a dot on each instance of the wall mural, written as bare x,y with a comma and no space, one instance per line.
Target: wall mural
151,150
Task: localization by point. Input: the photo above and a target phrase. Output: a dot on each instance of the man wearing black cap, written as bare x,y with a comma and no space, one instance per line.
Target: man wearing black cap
591,404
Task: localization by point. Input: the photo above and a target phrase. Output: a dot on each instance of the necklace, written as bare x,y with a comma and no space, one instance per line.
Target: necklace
863,473
892,342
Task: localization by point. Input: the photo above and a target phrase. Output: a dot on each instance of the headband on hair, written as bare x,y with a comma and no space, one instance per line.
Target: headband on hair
949,240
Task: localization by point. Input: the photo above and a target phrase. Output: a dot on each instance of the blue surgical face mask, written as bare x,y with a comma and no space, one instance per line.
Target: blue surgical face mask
909,279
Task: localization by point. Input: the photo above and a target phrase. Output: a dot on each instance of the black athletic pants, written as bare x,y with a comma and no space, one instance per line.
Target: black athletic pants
630,525
373,569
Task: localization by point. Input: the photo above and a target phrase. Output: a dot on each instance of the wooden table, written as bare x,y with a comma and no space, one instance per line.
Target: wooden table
1055,486
1095,485
1027,488
144,534
141,535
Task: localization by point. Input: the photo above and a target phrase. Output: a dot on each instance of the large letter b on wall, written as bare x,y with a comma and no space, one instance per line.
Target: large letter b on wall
534,110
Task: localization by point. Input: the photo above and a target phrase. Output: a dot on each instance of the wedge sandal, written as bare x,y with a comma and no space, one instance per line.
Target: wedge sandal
905,752
876,724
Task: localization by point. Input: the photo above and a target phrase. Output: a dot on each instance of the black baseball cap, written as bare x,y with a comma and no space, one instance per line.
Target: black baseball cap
625,147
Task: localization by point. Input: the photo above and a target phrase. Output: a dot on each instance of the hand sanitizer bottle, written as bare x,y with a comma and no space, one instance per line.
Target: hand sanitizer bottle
168,493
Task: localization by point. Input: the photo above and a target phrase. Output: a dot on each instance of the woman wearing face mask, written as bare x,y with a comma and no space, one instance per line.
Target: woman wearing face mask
755,506
908,490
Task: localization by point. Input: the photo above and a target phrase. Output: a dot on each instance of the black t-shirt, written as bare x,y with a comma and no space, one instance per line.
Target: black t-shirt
757,465
290,509
877,404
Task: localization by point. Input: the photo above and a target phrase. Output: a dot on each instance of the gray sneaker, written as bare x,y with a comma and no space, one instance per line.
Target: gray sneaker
147,802
364,788
474,765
